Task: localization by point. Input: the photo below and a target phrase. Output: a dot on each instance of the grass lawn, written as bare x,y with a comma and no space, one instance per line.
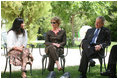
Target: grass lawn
94,73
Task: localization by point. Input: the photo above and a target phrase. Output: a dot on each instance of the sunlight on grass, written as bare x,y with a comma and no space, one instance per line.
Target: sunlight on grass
94,73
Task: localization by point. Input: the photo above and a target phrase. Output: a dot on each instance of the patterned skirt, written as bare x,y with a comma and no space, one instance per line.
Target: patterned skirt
17,58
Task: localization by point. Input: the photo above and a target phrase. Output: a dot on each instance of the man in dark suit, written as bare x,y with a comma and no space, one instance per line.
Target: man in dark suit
93,44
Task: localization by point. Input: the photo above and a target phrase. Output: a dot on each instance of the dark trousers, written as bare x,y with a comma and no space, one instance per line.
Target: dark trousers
53,52
87,54
112,60
53,56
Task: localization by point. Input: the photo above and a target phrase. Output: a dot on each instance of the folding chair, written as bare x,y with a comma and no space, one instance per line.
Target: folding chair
8,60
45,56
100,58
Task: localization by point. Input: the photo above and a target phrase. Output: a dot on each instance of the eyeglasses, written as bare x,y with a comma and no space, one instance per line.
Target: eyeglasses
53,22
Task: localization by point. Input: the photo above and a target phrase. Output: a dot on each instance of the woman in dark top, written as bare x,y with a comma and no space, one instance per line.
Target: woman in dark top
55,42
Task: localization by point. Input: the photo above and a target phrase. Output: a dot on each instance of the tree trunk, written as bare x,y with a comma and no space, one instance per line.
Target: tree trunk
72,24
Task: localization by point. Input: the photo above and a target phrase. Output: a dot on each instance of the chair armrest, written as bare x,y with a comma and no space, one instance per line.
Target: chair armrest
32,46
5,45
106,49
5,49
80,49
66,51
105,52
40,48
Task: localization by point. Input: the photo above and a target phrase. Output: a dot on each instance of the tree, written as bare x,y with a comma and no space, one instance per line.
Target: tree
30,11
73,14
68,11
112,20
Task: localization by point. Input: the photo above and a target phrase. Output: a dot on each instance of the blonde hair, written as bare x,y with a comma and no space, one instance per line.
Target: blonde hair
57,19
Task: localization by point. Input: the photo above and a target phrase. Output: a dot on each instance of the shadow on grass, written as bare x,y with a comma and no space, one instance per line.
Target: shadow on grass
94,73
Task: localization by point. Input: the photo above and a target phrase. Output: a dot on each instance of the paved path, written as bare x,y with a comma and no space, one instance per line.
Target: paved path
72,59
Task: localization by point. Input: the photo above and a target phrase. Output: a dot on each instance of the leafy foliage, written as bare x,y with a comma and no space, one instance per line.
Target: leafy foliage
73,14
30,11
85,13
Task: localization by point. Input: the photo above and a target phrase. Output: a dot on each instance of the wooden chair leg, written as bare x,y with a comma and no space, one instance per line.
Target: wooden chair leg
89,66
4,51
63,64
62,60
31,70
100,60
6,66
9,68
105,64
44,64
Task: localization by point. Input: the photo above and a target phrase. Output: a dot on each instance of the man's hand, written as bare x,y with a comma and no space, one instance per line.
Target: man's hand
97,47
58,45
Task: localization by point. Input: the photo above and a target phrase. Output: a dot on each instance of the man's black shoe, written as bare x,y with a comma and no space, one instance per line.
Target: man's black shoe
92,63
83,76
112,76
65,75
107,73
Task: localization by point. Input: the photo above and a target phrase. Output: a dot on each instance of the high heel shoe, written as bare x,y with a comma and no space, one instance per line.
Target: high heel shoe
31,57
60,69
29,62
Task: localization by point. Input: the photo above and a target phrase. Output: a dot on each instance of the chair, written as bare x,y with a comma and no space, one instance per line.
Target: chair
45,56
8,60
100,58
4,47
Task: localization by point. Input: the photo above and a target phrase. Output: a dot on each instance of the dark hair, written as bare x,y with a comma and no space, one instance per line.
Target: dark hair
16,27
57,20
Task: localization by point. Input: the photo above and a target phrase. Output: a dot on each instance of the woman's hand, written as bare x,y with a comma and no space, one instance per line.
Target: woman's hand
56,44
19,48
22,46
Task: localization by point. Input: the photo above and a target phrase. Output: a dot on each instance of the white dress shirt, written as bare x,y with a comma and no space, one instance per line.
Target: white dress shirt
14,41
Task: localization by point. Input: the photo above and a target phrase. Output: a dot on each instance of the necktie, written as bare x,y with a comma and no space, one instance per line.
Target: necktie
95,35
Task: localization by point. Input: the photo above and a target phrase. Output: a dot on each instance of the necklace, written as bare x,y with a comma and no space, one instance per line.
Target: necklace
56,30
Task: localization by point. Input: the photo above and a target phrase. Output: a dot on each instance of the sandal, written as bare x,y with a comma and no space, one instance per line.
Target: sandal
60,69
24,75
31,57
